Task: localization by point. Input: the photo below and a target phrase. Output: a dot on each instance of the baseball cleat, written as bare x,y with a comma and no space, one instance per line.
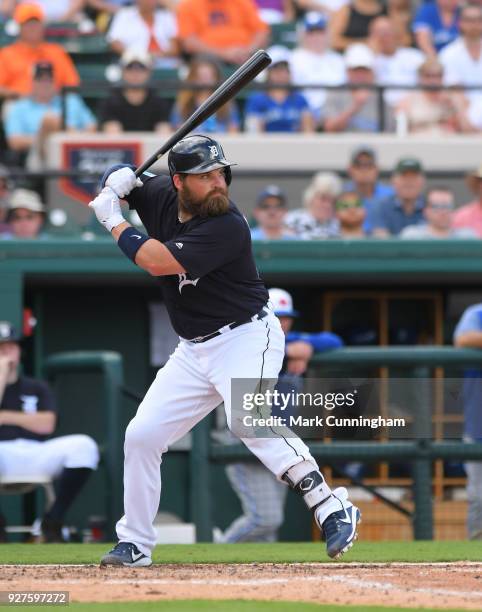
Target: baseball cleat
126,553
337,519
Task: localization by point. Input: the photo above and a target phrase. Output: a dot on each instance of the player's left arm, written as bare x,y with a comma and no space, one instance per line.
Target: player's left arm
149,254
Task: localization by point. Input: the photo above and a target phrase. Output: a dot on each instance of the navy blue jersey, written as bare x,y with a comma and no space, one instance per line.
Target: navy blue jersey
27,395
221,284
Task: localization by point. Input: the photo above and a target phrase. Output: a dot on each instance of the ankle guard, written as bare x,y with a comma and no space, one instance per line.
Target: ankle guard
312,488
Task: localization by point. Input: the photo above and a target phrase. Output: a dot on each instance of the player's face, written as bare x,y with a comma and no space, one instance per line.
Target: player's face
204,194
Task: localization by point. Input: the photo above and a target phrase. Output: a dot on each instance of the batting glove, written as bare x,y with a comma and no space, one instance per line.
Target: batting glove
123,181
107,209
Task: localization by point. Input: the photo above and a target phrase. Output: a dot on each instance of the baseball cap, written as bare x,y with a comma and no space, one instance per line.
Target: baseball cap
8,333
282,303
24,198
135,56
271,191
27,11
42,70
363,150
278,55
359,55
314,21
408,164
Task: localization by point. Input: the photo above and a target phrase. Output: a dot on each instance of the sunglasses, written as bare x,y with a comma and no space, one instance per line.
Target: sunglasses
364,164
441,206
263,206
26,217
346,204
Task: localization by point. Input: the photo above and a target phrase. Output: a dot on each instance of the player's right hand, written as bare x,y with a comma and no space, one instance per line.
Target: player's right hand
123,181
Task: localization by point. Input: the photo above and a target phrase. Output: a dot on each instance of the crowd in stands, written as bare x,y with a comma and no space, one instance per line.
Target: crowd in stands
427,55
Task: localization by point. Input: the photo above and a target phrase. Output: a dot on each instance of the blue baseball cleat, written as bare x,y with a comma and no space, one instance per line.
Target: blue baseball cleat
337,519
126,553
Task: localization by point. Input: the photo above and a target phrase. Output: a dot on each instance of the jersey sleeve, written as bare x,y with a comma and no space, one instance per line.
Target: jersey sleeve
423,19
210,245
46,401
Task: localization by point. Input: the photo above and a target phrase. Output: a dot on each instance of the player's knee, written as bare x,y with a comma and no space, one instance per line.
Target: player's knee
141,435
83,452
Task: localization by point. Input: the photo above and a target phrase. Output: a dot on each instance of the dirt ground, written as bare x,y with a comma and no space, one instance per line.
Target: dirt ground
443,585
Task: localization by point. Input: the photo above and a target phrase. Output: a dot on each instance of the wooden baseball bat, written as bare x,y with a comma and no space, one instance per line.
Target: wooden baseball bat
227,90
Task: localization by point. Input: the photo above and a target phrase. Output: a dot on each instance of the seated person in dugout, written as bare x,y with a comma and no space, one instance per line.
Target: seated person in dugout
27,418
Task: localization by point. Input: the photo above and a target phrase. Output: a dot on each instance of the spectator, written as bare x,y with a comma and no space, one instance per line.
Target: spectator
351,214
5,194
54,10
355,110
278,109
136,108
435,25
438,213
462,59
363,172
405,206
31,119
350,24
400,14
27,418
468,334
17,60
147,27
312,62
231,31
317,219
470,215
394,65
25,216
270,212
434,111
205,71
262,496
276,11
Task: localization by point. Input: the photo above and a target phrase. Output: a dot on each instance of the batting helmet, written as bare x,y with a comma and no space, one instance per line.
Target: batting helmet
198,154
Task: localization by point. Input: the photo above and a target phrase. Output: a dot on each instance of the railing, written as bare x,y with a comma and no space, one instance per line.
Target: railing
420,452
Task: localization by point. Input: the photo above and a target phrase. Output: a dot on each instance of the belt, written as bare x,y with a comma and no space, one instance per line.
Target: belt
222,330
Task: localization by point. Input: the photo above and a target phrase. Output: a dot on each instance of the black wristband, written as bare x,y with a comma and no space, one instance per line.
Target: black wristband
130,241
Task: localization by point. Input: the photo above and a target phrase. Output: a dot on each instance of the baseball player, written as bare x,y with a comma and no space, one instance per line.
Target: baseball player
27,418
199,245
261,494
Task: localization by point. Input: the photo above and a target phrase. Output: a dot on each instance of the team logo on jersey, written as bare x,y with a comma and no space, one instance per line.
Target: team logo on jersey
29,403
214,151
183,281
179,245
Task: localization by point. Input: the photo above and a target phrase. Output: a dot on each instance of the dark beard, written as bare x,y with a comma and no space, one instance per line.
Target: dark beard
216,203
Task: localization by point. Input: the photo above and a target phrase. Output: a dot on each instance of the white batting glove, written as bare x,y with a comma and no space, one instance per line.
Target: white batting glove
107,209
123,181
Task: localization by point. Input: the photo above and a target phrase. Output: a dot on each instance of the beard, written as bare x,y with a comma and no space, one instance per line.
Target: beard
214,204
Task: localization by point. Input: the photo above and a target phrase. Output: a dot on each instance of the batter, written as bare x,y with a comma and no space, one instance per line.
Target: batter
199,245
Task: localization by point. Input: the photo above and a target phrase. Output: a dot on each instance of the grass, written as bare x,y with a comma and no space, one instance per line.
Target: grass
291,552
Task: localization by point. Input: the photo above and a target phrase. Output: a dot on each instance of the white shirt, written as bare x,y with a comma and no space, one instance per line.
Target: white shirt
326,68
398,69
460,67
131,30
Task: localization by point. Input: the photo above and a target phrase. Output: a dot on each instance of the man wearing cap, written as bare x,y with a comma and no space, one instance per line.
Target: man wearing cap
363,172
406,206
18,59
278,109
262,496
136,108
270,212
31,119
355,110
25,216
312,62
27,418
470,215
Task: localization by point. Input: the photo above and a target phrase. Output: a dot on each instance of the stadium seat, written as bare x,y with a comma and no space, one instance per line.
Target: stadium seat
19,485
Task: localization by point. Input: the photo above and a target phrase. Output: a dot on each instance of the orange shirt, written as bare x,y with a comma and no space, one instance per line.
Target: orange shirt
220,23
18,59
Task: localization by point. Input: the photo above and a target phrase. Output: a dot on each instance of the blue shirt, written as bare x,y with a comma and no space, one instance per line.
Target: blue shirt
471,321
428,18
25,115
257,233
380,192
388,214
277,116
213,124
